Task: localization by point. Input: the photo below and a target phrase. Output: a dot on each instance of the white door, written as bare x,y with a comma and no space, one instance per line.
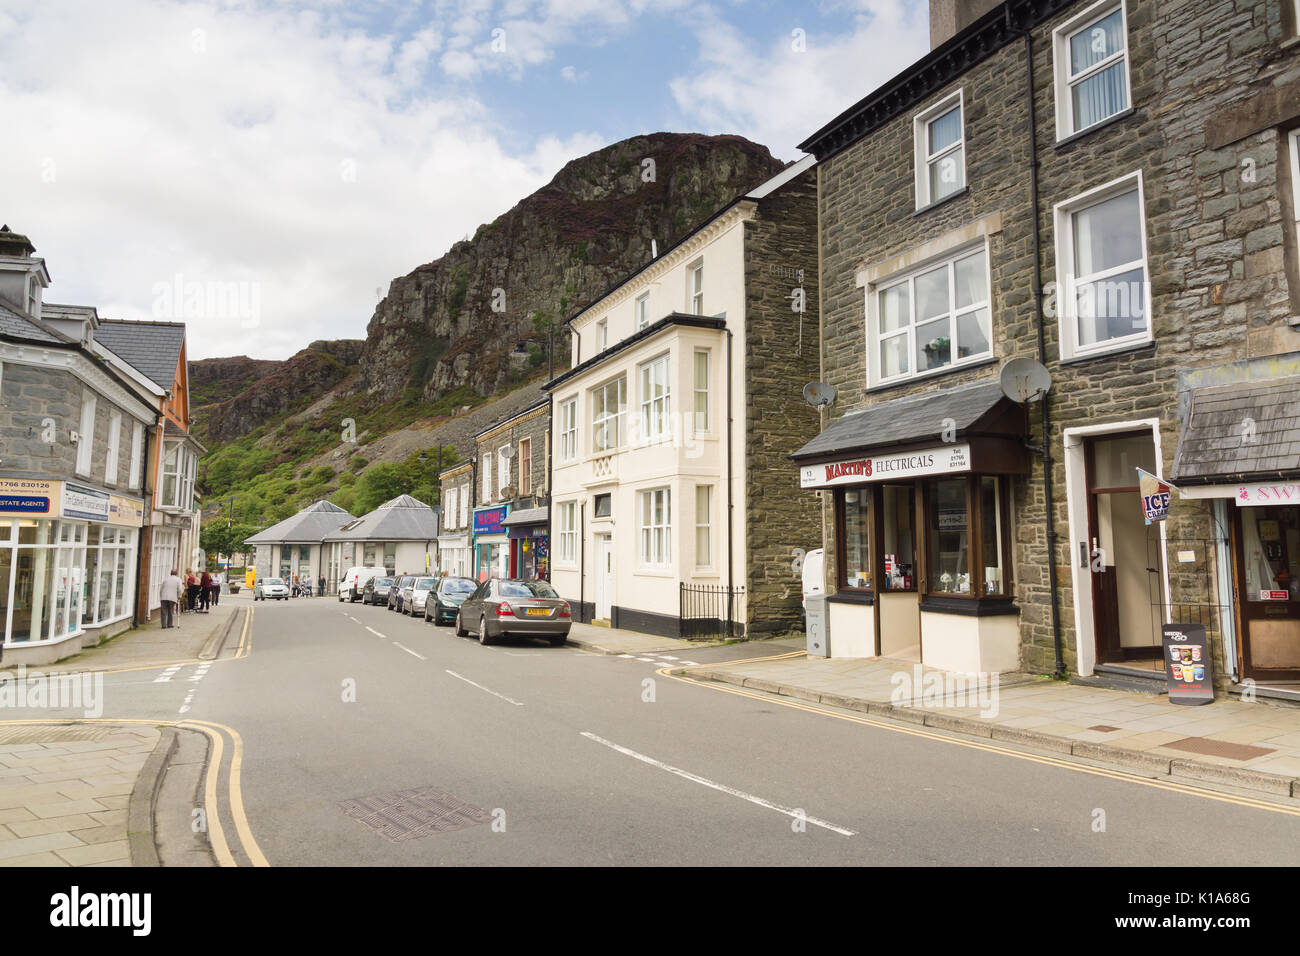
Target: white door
604,575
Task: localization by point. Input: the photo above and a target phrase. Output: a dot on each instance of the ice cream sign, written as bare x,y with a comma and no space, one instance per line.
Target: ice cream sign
946,459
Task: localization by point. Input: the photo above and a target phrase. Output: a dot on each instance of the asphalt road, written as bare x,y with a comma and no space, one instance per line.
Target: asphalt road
578,758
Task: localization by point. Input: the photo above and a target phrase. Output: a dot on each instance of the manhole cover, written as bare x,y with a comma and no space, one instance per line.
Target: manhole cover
1218,748
49,735
411,814
1103,728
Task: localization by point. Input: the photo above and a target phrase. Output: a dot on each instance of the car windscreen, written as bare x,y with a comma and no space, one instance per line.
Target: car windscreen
273,581
383,582
458,586
425,584
527,589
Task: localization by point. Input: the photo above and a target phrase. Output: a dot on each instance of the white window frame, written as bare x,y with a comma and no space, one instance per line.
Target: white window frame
568,419
949,259
453,507
656,410
642,311
464,505
114,441
567,532
525,465
619,418
602,335
486,464
1293,147
924,159
702,394
86,437
503,469
695,287
1066,281
137,440
705,525
654,540
1065,122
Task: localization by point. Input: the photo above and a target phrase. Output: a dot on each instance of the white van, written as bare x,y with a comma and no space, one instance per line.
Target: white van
354,582
814,574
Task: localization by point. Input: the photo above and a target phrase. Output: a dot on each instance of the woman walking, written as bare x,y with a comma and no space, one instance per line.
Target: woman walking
205,592
191,590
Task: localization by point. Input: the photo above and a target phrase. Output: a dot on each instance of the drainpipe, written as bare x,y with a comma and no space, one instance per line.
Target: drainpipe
550,498
1042,353
582,557
146,493
731,592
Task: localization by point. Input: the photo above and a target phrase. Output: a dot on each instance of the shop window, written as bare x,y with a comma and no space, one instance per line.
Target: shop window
1271,554
898,541
968,538
992,535
949,537
855,562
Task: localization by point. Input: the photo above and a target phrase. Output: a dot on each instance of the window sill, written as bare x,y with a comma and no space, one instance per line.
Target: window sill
933,373
968,606
655,573
1148,346
851,597
1075,137
921,211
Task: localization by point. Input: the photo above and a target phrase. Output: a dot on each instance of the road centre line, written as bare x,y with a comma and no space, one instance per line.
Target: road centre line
517,703
409,651
722,787
374,632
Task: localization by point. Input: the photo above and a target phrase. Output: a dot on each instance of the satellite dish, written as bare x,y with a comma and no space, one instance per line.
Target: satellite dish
508,451
818,394
1024,380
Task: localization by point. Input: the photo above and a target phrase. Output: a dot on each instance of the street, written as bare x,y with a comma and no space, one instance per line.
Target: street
570,757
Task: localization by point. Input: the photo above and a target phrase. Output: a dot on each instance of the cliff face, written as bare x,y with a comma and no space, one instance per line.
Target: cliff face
481,312
478,317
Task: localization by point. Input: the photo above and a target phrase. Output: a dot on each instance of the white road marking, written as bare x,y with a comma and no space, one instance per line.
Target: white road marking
627,656
689,663
695,778
667,657
648,660
376,633
517,703
409,651
167,675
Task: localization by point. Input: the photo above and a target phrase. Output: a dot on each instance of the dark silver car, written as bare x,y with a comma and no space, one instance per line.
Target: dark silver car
395,591
440,606
527,608
376,590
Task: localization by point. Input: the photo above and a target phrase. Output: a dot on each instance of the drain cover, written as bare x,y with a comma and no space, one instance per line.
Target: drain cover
411,814
1218,748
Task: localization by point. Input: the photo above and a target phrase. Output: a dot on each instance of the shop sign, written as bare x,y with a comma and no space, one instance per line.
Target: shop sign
488,520
943,460
85,503
1274,595
26,495
1187,664
125,511
1250,496
1155,497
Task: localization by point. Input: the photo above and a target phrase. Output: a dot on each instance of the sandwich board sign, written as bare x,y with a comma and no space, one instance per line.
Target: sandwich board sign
1188,671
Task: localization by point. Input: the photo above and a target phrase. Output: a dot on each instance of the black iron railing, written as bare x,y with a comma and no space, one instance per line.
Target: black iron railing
708,611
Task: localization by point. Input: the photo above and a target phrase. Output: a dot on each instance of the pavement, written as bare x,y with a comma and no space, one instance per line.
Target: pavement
1253,745
613,640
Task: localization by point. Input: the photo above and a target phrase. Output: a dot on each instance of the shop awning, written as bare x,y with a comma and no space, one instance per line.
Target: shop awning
527,516
979,415
1234,433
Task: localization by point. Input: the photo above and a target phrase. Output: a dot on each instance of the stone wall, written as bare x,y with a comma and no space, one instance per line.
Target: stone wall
781,239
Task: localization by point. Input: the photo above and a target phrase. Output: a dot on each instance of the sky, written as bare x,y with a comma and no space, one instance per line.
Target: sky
263,170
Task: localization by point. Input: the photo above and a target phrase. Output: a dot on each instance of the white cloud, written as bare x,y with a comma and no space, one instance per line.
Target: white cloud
273,147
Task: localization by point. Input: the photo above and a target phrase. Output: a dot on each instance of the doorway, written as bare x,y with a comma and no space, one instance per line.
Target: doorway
604,576
1268,582
1124,571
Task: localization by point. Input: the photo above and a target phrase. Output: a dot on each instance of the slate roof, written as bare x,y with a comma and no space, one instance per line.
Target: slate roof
154,348
906,420
1232,431
308,526
402,519
527,516
17,325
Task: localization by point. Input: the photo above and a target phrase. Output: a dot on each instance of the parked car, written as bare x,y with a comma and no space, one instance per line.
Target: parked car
376,590
441,604
395,592
814,575
354,582
274,588
507,606
414,595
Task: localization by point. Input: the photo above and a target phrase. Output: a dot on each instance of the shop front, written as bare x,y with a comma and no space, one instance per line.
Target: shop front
454,555
67,566
491,543
529,533
922,534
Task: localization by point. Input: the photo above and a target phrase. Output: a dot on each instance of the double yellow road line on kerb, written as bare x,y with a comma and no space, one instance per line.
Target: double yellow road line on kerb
915,731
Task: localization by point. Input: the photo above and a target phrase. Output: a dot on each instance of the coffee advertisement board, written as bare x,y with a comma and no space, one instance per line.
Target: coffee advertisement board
1187,664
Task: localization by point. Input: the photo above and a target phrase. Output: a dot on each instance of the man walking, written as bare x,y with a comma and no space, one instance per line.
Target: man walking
169,592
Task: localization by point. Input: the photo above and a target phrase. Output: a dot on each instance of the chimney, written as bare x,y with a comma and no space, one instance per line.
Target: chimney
950,17
14,244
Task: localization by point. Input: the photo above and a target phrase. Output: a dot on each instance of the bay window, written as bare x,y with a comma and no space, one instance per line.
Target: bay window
569,430
655,528
701,390
567,515
936,317
854,505
655,412
178,476
704,526
609,415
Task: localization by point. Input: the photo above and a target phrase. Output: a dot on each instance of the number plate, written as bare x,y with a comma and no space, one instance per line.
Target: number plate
536,611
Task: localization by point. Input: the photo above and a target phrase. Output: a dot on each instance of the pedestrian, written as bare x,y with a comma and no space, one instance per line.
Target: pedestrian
321,592
205,592
217,581
191,590
169,592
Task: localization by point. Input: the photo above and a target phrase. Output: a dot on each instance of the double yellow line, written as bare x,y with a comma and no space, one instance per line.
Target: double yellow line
914,731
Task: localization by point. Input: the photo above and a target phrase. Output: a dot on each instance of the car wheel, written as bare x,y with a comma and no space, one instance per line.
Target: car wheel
559,641
460,631
482,631
340,598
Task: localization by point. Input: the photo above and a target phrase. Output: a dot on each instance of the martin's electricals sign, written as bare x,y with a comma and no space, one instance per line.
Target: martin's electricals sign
944,460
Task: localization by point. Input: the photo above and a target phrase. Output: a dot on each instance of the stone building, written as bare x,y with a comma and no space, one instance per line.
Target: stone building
511,532
456,494
675,510
1136,234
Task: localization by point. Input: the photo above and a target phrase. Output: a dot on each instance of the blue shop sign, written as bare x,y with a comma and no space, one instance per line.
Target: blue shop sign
33,504
488,520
